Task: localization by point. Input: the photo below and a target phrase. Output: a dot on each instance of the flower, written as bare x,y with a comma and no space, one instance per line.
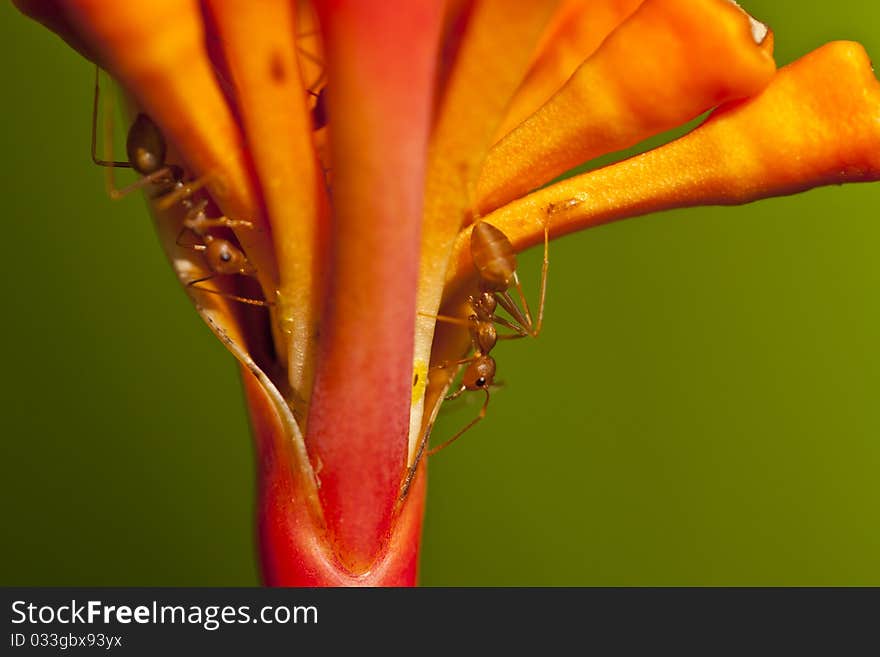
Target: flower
358,234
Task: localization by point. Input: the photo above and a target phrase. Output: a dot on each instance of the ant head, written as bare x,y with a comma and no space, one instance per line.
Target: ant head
145,146
480,374
223,257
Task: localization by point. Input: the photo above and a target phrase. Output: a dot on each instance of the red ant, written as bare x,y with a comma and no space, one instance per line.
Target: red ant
146,150
222,257
495,262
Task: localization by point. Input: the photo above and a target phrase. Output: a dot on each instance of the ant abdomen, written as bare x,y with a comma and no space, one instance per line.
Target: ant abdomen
145,146
493,256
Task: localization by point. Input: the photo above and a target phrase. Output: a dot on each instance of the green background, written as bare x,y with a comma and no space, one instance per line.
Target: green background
701,408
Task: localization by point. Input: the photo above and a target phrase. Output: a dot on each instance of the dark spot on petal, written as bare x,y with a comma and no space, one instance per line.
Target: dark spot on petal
276,68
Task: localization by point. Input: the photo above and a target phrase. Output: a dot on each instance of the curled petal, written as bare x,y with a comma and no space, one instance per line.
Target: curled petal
574,33
668,63
817,123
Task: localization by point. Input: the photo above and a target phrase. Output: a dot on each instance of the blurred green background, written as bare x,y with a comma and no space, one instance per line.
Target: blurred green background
700,409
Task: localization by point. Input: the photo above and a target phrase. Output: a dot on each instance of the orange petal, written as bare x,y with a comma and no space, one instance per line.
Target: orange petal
278,129
817,123
669,62
576,30
155,48
491,58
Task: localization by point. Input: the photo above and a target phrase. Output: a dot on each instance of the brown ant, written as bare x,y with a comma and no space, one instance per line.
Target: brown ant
146,150
222,257
495,262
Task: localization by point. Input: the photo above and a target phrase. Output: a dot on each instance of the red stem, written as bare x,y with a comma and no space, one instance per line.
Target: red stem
293,546
380,60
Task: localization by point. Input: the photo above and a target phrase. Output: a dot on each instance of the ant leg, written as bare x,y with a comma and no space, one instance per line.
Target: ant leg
469,425
520,331
110,183
411,471
448,319
252,302
194,247
523,301
543,295
507,302
455,395
532,328
162,175
423,443
314,59
186,190
225,222
445,365
157,176
95,159
197,222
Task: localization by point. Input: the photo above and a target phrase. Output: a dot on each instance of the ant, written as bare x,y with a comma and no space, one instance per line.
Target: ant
494,259
495,262
146,150
222,257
